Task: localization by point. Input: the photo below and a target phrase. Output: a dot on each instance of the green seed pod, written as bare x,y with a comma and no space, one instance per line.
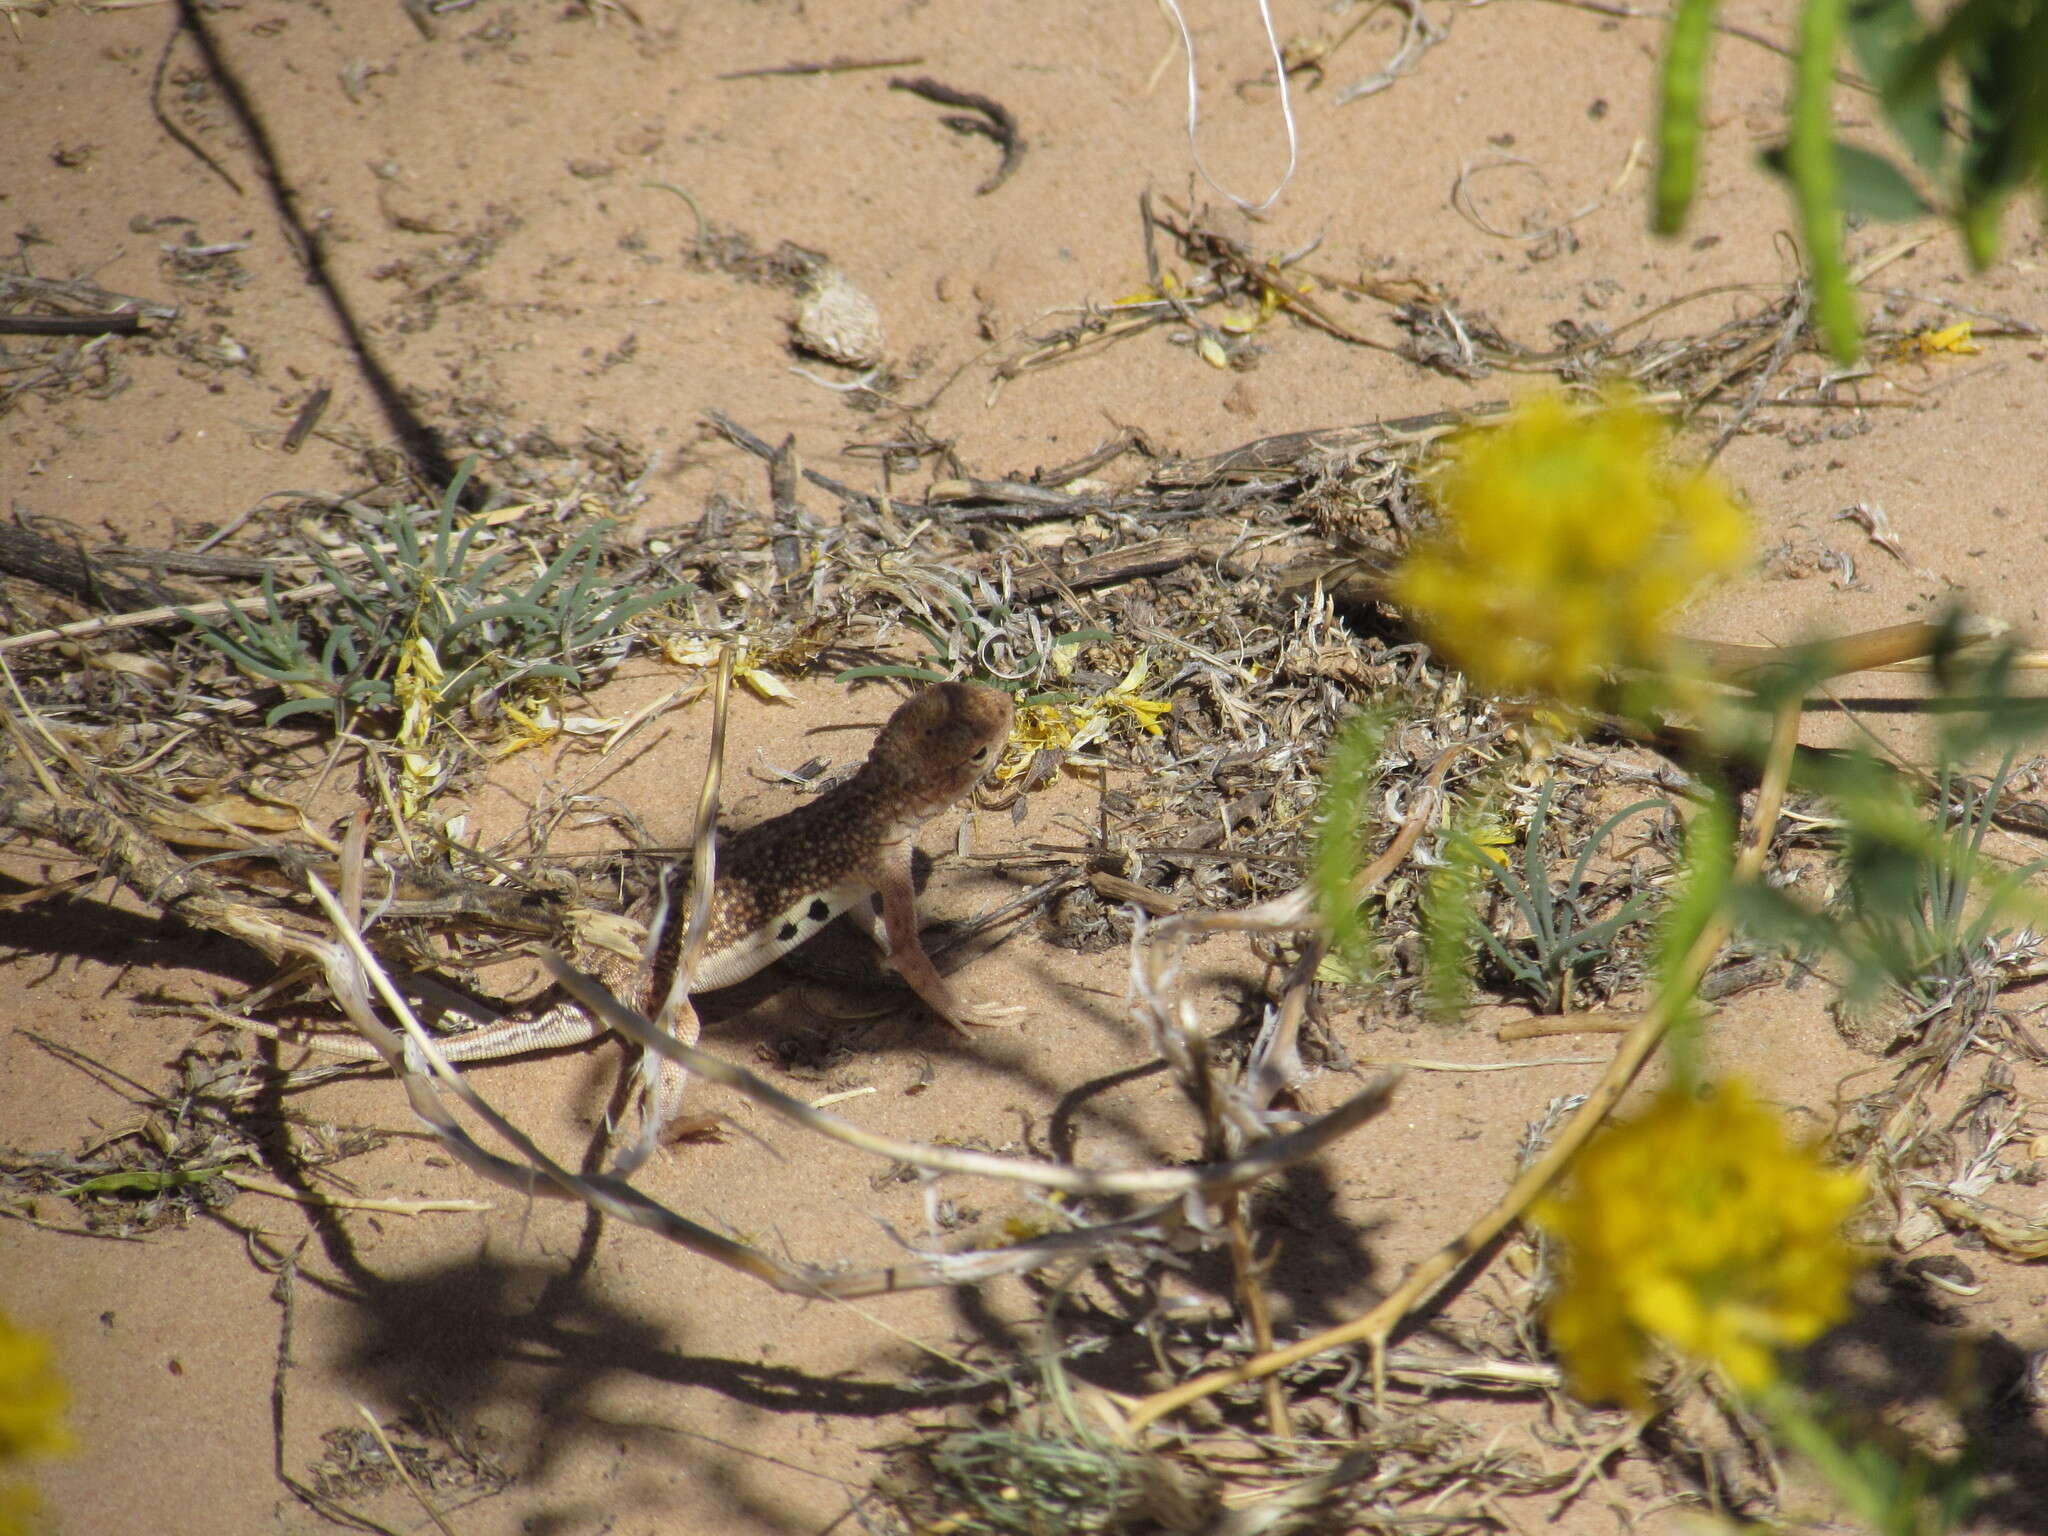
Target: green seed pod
1678,121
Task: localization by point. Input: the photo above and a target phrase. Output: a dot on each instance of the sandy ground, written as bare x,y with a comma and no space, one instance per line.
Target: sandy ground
486,190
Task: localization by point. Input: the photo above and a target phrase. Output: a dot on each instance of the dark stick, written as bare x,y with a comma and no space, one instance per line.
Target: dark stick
70,325
784,470
159,561
840,65
308,418
1108,453
1137,570
1001,125
156,105
740,437
785,476
67,569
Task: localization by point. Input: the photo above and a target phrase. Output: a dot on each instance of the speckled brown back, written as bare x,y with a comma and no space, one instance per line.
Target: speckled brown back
929,754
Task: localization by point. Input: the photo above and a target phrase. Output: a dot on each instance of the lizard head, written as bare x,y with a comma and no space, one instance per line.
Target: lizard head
940,741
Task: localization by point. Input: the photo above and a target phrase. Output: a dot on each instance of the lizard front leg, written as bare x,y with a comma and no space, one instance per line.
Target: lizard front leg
893,883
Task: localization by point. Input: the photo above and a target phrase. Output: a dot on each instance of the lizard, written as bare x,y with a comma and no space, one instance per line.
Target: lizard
780,882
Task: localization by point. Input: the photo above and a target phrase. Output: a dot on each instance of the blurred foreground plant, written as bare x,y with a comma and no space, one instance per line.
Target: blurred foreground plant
1991,56
1699,1226
1566,541
32,1399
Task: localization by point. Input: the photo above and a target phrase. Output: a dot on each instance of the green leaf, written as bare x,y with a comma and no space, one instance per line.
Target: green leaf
458,558
1886,34
907,674
1871,185
2004,99
511,608
459,687
583,548
1451,929
1815,185
1866,183
453,498
623,612
140,1182
390,587
290,707
340,655
301,670
1884,1483
940,644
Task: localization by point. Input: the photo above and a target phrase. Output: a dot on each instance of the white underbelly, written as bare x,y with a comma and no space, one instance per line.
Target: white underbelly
776,937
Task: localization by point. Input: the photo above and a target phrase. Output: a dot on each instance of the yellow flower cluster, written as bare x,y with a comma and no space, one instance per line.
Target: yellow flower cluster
1701,1226
1566,542
31,1416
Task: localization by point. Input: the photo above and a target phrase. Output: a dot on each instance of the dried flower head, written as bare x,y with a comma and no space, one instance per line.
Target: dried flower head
1699,1225
1567,540
1072,728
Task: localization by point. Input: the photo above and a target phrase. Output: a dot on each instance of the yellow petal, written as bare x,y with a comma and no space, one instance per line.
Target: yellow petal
767,685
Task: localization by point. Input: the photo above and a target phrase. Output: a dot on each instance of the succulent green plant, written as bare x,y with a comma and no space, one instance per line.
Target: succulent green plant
454,589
